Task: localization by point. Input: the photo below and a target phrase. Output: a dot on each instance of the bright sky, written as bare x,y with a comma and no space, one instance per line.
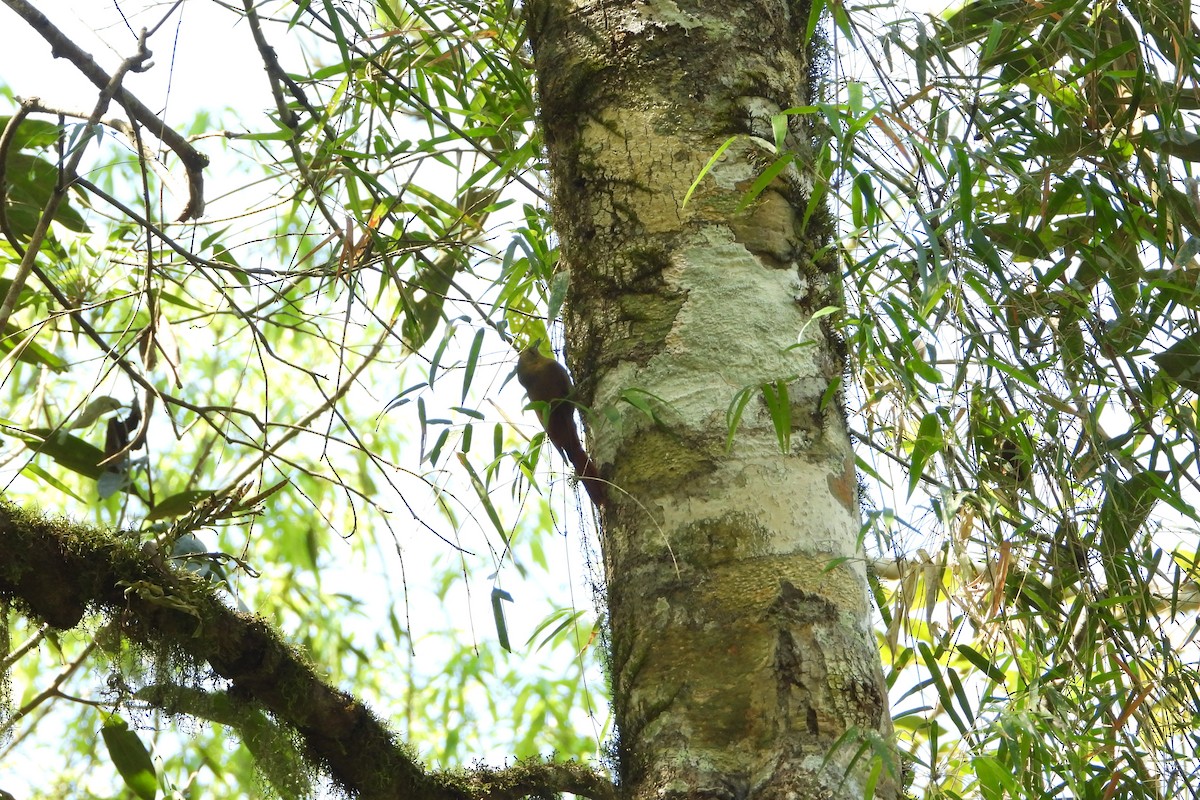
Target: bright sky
200,55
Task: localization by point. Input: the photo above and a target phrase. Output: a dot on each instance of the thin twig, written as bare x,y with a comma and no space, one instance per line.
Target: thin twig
50,691
61,46
29,255
12,658
288,117
439,115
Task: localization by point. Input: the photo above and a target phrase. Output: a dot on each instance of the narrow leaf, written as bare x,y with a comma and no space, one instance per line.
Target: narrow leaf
499,596
130,756
711,163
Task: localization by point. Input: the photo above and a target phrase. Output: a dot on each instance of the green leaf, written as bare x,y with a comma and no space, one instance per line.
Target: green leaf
32,133
28,350
981,662
824,311
815,14
764,180
66,450
960,694
482,493
995,780
32,468
435,453
421,317
707,167
1181,362
938,682
733,414
130,757
499,596
31,181
779,129
929,442
472,362
177,504
640,399
779,406
562,620
559,285
1126,507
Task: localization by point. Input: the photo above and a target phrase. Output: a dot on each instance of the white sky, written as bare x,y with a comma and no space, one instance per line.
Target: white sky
200,55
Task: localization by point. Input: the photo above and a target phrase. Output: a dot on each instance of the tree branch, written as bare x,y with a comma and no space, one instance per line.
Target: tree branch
58,570
42,229
61,46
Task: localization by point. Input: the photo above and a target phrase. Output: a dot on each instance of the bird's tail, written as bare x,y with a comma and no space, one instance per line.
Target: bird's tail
588,474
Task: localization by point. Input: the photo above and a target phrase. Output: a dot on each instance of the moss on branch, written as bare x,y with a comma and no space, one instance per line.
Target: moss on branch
62,572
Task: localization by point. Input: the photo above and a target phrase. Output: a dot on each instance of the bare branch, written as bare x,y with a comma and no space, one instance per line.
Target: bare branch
29,256
61,46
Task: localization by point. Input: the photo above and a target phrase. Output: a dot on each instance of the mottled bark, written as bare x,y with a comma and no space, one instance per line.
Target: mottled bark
741,649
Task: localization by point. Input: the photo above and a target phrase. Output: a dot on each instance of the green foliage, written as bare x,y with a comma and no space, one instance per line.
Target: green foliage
1018,225
381,235
130,756
29,180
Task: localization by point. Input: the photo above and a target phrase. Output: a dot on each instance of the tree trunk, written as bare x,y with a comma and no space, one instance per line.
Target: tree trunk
743,662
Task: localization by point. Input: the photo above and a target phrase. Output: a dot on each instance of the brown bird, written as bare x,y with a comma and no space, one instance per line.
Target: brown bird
546,381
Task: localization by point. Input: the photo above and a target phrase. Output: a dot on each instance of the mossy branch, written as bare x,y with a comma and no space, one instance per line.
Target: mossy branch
61,571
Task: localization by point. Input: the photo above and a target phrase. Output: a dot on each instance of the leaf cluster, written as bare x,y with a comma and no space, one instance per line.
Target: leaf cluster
1019,226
